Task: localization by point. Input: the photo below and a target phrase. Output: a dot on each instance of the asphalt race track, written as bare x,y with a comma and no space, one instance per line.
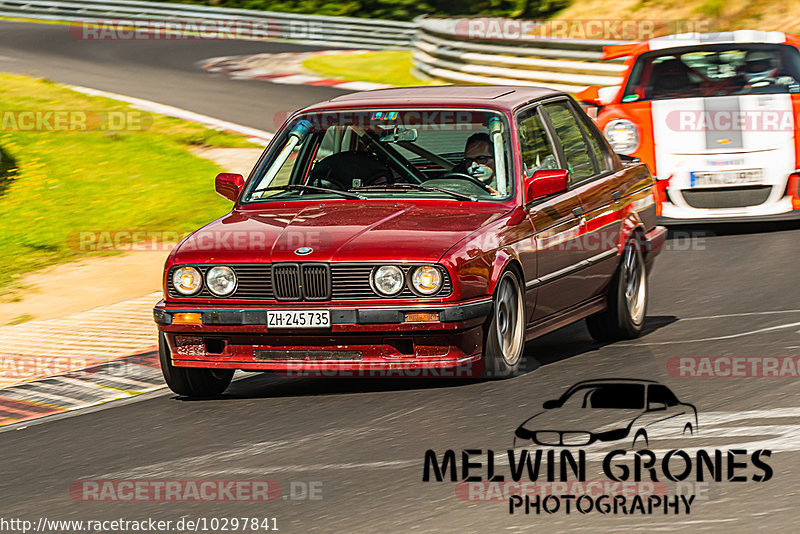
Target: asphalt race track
162,71
721,290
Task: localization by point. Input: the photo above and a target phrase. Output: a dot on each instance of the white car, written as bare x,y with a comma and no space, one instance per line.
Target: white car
714,116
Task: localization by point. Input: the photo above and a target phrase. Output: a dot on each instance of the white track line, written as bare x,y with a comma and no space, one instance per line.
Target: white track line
257,135
717,338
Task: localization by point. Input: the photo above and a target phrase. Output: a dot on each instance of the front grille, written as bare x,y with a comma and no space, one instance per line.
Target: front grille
569,439
286,281
726,197
316,281
305,281
352,281
254,281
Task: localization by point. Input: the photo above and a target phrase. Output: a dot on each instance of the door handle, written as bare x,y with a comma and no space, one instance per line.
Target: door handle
578,213
616,195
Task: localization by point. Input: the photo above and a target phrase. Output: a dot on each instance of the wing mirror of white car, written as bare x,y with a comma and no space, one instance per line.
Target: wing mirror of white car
549,405
656,406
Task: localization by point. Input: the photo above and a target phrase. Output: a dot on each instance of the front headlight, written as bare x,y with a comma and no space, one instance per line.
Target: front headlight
187,280
221,280
388,280
623,136
426,280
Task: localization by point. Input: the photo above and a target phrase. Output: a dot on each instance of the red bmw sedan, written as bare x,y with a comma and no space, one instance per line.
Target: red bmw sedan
412,230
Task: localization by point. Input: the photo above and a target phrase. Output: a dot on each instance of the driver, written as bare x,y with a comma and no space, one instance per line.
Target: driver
478,158
759,66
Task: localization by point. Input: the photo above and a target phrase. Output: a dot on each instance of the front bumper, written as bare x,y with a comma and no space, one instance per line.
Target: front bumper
359,340
793,215
777,207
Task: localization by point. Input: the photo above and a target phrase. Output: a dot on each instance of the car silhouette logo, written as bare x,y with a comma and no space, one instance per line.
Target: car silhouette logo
304,251
609,410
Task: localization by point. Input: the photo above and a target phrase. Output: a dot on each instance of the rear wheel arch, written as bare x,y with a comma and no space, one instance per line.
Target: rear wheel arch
631,226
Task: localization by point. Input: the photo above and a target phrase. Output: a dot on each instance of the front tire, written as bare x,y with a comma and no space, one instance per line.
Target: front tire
505,335
626,299
190,381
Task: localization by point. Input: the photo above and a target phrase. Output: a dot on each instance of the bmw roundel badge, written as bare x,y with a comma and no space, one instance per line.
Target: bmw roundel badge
302,251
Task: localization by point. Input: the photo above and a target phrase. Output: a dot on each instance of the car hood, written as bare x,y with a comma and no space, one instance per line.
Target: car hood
342,231
580,420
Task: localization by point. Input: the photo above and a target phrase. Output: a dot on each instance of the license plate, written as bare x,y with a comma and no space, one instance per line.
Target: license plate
712,179
298,319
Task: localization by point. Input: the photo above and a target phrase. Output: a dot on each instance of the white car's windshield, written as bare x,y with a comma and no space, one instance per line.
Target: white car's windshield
714,70
388,153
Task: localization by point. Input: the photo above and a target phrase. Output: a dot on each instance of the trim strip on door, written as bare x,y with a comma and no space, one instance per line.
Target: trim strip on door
561,273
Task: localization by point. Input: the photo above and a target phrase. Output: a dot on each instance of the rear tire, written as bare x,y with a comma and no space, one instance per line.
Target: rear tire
626,299
191,381
505,336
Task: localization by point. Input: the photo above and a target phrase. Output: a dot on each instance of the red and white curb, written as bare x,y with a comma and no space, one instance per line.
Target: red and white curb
113,380
241,68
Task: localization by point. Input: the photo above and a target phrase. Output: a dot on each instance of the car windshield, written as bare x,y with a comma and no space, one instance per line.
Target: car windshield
607,396
461,155
714,70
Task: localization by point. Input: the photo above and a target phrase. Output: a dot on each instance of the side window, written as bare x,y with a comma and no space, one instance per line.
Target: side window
601,155
537,152
659,393
579,162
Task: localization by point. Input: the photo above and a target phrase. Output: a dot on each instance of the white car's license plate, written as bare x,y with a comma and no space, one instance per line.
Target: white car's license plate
298,319
716,178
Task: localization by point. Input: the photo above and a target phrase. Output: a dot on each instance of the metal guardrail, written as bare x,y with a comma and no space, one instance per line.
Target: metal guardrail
345,32
441,50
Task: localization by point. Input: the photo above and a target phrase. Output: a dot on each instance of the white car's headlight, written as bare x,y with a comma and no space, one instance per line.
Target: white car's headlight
221,280
187,280
623,136
426,280
388,280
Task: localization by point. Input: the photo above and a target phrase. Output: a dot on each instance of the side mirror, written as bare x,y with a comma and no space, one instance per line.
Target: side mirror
549,405
590,95
229,185
656,406
544,183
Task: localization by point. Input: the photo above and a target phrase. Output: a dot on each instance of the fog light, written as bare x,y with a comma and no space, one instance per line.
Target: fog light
187,318
422,317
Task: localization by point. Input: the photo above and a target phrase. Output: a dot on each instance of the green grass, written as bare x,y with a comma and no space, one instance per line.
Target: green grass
62,182
387,66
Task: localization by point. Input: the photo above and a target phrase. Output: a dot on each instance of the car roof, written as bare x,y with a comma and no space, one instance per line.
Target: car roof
613,381
480,96
737,36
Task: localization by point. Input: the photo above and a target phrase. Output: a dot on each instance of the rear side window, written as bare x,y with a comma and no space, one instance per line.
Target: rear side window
576,151
601,155
658,393
537,152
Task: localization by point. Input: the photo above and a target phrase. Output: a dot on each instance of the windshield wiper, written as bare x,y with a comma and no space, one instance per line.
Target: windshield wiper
416,187
303,187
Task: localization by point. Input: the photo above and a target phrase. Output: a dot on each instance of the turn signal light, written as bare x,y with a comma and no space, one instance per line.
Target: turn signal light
187,318
422,317
793,190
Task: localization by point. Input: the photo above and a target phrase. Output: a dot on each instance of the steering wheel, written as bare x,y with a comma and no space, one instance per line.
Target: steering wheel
464,176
